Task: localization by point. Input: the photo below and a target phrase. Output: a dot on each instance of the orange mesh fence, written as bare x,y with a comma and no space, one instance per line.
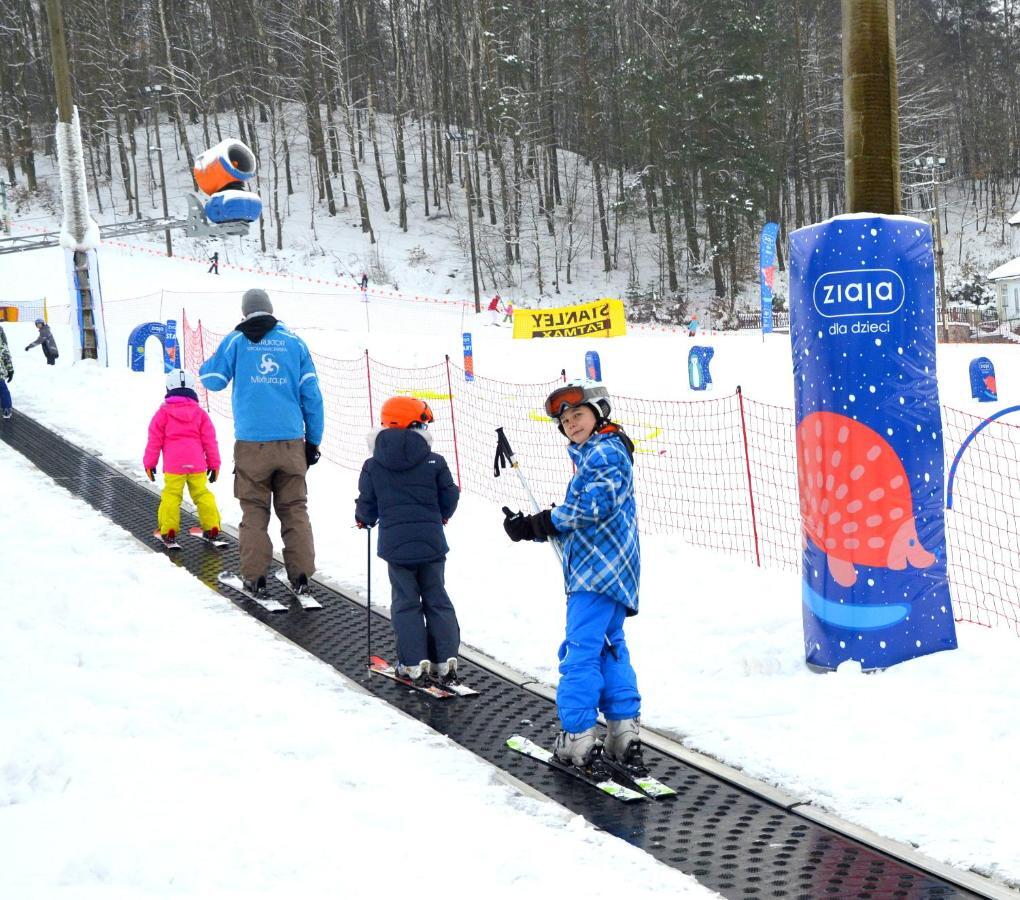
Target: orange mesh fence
772,457
983,527
719,472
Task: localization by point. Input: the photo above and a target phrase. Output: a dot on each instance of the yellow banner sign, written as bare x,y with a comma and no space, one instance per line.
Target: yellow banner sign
600,318
8,314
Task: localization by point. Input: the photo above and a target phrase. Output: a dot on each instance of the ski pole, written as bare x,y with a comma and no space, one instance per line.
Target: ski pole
368,602
505,455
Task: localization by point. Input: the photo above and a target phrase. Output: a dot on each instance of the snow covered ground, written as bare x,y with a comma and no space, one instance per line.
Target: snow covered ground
923,753
159,743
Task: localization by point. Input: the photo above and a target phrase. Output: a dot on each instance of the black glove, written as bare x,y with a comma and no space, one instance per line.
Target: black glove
151,473
29,347
520,527
213,474
361,524
10,377
312,453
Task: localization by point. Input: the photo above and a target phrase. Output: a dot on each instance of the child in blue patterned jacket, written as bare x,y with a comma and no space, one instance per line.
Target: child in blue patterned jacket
597,527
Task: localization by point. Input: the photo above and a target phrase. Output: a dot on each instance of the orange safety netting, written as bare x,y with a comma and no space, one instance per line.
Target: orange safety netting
720,472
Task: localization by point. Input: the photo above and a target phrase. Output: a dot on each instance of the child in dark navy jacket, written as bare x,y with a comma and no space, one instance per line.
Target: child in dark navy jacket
409,491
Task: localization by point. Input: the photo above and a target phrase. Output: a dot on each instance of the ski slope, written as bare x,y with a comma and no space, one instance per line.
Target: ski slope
923,753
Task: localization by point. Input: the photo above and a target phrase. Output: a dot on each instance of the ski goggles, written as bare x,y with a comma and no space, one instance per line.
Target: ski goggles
570,396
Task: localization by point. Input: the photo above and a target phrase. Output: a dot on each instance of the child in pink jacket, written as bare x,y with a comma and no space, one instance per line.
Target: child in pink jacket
183,432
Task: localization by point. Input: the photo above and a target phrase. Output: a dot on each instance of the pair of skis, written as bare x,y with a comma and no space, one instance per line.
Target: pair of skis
434,688
621,785
196,531
236,583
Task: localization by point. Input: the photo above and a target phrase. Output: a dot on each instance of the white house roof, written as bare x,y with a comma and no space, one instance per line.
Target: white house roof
1006,270
1015,220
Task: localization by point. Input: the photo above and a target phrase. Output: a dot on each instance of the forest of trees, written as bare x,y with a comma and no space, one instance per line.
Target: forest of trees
568,125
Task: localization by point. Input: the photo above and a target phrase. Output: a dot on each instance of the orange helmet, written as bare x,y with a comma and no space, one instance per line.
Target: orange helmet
405,412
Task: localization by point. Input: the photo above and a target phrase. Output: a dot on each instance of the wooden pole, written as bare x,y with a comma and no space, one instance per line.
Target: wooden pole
79,214
61,68
870,113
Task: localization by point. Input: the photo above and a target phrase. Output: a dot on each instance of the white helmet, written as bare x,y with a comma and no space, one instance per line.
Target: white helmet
178,378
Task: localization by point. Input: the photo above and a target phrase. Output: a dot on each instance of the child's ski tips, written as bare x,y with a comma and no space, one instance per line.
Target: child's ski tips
607,785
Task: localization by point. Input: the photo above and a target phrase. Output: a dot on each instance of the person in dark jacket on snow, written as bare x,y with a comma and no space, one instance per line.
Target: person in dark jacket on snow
6,374
49,344
409,491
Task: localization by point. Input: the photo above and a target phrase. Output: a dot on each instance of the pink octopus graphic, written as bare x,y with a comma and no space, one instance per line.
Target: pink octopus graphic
855,500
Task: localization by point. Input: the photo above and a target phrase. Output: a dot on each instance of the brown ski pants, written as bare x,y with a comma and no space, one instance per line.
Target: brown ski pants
274,471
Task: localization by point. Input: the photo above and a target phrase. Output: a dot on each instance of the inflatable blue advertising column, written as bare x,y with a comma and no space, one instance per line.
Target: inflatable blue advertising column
698,374
982,380
869,441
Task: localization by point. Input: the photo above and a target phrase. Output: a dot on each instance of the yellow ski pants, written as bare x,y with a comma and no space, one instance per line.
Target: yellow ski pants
169,515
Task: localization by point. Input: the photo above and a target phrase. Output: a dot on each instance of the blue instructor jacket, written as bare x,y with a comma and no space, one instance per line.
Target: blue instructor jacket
276,394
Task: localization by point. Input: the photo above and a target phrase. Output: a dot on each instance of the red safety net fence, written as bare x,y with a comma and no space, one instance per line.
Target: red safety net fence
719,472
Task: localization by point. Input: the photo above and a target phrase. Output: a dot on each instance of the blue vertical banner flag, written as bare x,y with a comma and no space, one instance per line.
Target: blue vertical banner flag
869,441
767,272
469,358
593,365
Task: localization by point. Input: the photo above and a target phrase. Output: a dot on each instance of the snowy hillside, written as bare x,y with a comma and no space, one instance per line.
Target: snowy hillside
921,753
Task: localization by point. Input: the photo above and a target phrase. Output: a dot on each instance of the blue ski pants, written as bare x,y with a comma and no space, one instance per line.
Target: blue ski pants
424,620
593,677
5,396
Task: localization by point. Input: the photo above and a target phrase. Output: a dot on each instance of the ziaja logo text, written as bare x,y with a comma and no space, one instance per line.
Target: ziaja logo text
859,292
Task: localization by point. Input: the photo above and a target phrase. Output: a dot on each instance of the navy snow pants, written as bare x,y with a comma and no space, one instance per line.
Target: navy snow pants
592,678
424,620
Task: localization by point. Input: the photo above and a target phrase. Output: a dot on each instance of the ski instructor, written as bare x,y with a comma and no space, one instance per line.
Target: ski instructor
278,423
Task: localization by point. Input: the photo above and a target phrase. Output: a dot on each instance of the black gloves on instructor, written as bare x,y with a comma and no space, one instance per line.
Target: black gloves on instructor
520,527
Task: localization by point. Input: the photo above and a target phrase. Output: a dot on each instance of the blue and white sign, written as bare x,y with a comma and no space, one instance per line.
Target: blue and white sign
869,441
982,380
593,365
767,271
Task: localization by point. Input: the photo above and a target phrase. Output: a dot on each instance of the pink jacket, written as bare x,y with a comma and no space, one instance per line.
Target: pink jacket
185,435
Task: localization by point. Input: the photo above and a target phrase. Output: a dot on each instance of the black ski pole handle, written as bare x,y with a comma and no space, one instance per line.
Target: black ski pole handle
504,453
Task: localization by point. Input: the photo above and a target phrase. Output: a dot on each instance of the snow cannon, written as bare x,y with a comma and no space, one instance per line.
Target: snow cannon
221,172
233,206
226,166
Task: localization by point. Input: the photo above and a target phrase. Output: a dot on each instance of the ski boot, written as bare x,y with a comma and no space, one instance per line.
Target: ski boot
445,673
8,413
623,746
256,587
212,534
170,540
417,674
300,585
581,750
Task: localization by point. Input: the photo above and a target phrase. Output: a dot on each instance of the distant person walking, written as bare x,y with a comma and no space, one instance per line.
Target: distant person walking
214,264
6,375
692,326
494,310
364,281
46,340
278,423
508,313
